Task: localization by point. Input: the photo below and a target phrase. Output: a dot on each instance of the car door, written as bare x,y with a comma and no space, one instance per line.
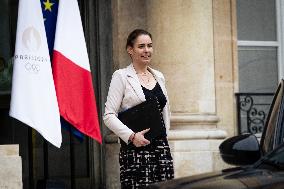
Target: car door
272,135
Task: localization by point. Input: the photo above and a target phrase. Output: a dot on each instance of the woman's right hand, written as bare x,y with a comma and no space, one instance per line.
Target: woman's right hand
139,139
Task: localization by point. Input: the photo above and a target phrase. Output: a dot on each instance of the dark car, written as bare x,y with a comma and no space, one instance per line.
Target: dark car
261,165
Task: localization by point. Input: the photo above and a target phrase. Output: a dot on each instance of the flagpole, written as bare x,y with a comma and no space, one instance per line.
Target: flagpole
31,159
72,160
45,161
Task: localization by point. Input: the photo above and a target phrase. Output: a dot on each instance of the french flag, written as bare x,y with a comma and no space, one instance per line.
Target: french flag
71,72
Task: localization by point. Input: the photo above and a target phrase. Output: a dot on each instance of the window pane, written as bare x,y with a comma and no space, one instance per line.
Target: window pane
256,20
258,69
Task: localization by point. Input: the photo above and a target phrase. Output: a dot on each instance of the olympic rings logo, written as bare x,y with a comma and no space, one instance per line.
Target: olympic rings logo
34,68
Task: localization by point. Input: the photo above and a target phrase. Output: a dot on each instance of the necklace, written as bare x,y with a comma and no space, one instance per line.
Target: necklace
145,78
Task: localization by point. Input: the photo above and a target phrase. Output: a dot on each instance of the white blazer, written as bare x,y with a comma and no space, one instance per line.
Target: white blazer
125,91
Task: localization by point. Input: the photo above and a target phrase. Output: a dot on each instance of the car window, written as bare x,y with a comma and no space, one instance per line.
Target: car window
281,131
268,142
280,126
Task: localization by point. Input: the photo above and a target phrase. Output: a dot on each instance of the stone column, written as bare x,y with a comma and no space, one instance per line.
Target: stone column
10,167
183,40
184,43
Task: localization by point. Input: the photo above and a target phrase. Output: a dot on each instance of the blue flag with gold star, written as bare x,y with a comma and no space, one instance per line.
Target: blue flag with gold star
49,11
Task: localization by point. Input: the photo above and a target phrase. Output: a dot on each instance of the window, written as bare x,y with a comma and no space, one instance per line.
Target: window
259,45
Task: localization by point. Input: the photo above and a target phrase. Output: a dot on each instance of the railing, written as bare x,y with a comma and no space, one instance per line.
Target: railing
252,111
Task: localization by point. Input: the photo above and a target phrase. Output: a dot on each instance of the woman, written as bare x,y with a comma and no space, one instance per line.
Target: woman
148,162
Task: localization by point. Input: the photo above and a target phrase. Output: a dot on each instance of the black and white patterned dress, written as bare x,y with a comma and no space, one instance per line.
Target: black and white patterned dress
142,166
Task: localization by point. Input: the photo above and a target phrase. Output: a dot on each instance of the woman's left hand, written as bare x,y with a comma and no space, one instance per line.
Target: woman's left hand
139,139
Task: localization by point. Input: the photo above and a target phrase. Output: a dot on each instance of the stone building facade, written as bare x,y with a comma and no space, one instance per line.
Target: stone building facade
196,46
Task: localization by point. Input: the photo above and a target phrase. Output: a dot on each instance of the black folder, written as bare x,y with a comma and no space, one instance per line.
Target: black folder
143,116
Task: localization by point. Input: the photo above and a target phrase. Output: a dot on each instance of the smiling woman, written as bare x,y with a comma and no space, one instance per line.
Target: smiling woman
142,161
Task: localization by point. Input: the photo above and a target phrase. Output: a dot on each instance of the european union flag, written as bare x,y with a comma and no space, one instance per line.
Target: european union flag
49,11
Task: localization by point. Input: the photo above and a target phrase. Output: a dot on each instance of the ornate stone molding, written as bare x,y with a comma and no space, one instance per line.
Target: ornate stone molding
183,121
197,134
195,126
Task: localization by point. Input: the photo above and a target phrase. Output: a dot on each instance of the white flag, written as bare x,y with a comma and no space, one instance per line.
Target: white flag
33,98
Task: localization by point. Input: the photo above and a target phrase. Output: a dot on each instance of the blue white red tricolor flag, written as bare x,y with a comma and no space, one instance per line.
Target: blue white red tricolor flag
33,96
71,71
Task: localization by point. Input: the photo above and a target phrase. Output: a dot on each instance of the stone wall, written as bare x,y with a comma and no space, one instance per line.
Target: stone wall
10,167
